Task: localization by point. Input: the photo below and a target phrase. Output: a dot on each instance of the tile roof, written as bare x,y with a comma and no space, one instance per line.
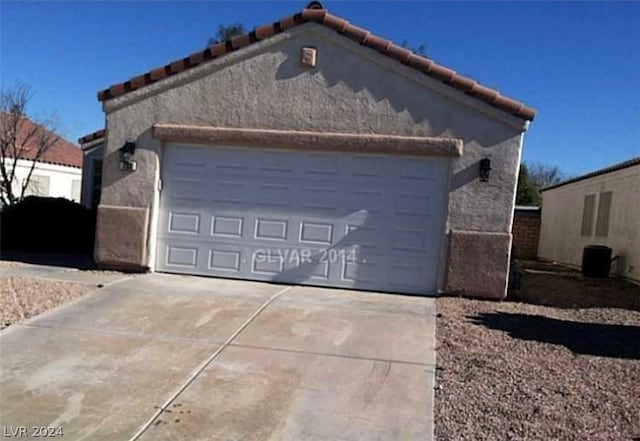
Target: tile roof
98,134
315,13
62,152
603,171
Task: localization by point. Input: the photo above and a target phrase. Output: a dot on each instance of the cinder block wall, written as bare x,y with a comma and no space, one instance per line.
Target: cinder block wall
526,232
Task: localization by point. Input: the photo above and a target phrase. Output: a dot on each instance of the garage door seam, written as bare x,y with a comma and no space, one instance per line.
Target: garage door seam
205,364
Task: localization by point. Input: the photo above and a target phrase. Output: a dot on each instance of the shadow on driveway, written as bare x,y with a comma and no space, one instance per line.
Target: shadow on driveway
81,261
603,340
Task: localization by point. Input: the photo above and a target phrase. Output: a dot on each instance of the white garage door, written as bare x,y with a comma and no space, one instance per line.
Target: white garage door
361,221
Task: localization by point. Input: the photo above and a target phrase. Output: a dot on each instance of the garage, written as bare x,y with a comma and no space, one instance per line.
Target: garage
312,151
339,219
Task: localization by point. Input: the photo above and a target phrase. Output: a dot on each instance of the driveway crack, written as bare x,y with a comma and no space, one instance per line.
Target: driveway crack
195,373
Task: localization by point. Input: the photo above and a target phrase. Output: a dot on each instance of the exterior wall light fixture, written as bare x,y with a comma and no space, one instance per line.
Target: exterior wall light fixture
126,152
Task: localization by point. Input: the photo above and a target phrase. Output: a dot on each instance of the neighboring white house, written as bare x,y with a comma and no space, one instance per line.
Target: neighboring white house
599,208
47,179
57,173
92,146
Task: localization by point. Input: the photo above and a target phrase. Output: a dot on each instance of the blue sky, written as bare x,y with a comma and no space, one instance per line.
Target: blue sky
578,63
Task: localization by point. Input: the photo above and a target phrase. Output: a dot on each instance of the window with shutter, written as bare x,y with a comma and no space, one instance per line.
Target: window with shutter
587,215
38,186
75,190
604,209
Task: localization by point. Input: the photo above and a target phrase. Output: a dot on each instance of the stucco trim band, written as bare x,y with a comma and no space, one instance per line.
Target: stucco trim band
303,140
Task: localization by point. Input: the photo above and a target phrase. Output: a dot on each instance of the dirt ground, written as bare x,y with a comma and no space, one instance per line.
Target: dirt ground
560,360
22,298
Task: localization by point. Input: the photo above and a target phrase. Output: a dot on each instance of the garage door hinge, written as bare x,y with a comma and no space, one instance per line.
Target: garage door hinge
159,184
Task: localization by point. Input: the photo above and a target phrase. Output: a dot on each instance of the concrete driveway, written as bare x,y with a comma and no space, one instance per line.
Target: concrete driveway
163,357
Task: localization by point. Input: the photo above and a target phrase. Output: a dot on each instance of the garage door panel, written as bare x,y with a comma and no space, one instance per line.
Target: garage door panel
409,170
412,204
366,166
227,226
321,233
363,275
185,159
409,240
322,166
273,265
368,237
271,229
273,194
321,218
278,163
184,222
227,160
406,276
374,200
182,255
187,189
225,260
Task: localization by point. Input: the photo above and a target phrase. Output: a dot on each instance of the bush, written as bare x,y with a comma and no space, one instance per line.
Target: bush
42,224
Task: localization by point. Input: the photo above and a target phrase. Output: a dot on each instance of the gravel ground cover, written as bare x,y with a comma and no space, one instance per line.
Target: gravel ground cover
22,298
559,361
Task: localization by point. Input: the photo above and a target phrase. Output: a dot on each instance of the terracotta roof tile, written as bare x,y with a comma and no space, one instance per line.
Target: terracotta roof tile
362,36
378,43
138,81
314,14
98,134
420,63
61,152
443,73
157,74
241,41
465,84
356,33
263,32
335,23
399,53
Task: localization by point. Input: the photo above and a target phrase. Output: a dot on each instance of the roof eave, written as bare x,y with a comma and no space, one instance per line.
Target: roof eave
343,27
603,171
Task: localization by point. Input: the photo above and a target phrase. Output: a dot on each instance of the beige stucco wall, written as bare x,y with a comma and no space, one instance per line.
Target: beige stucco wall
562,209
353,89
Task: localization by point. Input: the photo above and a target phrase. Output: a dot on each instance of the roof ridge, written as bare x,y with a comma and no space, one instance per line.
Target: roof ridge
362,36
60,152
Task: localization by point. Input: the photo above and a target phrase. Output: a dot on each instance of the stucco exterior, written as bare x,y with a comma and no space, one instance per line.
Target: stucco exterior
562,212
352,90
